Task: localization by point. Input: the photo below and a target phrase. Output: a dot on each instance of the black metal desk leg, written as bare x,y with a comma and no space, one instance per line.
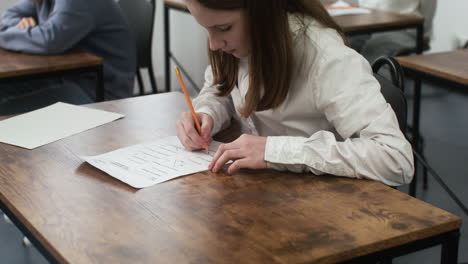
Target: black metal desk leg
450,248
419,50
167,47
415,132
100,83
416,110
420,39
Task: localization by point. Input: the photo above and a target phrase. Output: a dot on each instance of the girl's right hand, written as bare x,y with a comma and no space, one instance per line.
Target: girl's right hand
188,134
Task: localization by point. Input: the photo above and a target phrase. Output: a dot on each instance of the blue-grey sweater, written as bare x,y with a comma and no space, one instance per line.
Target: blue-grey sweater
97,27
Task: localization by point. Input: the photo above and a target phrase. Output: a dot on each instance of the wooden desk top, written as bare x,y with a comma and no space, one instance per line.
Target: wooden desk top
175,3
375,21
355,24
14,64
451,65
82,215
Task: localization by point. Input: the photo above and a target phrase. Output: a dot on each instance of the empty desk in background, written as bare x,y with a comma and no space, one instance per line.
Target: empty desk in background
381,21
447,69
375,21
19,66
75,213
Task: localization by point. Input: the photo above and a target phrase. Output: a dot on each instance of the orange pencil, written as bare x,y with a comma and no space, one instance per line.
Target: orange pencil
189,103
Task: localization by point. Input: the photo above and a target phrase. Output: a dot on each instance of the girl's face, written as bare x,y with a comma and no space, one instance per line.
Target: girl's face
227,29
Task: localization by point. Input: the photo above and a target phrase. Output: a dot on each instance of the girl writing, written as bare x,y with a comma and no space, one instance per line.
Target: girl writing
306,100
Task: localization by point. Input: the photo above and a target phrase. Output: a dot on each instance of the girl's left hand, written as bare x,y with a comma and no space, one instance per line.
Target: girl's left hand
246,152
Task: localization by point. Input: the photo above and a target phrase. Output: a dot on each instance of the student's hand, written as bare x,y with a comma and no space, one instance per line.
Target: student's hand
188,134
246,152
26,22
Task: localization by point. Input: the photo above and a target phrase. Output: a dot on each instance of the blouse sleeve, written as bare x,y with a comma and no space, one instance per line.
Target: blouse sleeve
221,109
372,145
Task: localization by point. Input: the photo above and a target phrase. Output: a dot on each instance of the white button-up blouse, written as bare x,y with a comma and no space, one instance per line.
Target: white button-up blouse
334,119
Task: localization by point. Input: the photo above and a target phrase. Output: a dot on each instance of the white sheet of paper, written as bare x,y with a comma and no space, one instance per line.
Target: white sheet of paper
341,8
144,165
340,4
350,11
51,123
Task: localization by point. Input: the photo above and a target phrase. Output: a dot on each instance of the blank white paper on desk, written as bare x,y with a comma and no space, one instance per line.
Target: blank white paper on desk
351,11
341,8
144,165
51,123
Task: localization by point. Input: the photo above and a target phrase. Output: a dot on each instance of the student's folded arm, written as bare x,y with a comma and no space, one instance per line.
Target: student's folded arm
62,31
373,146
12,16
3,27
221,109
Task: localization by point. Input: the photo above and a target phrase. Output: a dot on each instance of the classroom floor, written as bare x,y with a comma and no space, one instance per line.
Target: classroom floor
444,123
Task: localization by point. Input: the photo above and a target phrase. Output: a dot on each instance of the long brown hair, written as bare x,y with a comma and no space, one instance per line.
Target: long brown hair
271,60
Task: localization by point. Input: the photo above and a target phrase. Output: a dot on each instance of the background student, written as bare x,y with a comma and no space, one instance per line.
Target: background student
397,42
55,26
306,100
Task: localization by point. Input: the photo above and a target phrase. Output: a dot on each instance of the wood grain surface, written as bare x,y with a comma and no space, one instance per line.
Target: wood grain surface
176,3
82,215
451,65
13,64
375,21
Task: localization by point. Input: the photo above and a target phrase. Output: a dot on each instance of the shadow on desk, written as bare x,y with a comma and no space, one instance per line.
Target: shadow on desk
20,97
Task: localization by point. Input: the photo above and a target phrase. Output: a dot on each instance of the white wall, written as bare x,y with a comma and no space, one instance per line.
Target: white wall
188,44
450,21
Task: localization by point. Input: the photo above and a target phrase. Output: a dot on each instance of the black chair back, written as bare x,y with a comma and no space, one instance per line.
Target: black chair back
140,16
393,89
